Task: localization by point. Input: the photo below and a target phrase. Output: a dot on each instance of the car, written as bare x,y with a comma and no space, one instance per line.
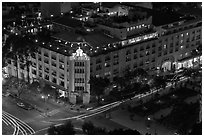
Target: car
25,106
20,104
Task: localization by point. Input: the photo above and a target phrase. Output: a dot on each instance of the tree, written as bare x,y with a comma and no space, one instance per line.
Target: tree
11,50
20,48
159,82
52,130
98,86
66,129
124,132
121,82
89,129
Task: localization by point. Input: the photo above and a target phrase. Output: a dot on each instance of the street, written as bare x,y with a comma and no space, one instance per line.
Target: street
41,122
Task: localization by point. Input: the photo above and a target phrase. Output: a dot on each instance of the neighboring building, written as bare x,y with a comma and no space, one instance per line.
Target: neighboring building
114,9
50,9
66,24
55,9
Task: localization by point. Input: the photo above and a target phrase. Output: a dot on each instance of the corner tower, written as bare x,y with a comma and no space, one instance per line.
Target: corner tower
79,87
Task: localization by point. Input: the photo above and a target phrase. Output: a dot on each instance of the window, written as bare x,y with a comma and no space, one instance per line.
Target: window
115,62
46,54
153,59
40,74
128,59
135,65
135,56
98,67
40,67
115,71
54,73
46,61
198,37
98,60
61,66
33,71
187,45
33,55
62,83
141,48
9,61
177,43
47,70
153,51
147,47
39,52
135,50
79,64
193,38
61,76
107,58
46,77
39,58
22,66
147,53
107,64
115,55
141,63
165,52
160,48
34,64
54,80
79,88
61,60
141,55
188,39
159,54
53,57
79,70
54,64
128,52
79,80
165,46
171,44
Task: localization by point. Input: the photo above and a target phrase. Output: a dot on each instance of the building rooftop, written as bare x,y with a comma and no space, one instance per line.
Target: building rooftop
68,21
182,22
95,39
109,4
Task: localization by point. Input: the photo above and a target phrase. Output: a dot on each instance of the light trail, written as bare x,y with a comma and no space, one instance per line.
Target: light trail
19,125
107,107
11,122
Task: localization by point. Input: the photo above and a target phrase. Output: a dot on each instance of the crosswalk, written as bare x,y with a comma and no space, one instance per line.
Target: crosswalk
53,112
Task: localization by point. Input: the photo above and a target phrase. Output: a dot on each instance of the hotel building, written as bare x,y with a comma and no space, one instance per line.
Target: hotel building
69,62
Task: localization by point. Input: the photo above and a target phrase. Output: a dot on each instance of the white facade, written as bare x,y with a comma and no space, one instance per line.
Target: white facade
79,88
58,70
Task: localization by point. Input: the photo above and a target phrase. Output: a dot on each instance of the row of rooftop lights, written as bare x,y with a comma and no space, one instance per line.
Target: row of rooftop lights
95,50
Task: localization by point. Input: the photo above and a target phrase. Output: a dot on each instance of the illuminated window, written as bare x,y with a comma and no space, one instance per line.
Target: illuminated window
128,29
187,33
165,46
